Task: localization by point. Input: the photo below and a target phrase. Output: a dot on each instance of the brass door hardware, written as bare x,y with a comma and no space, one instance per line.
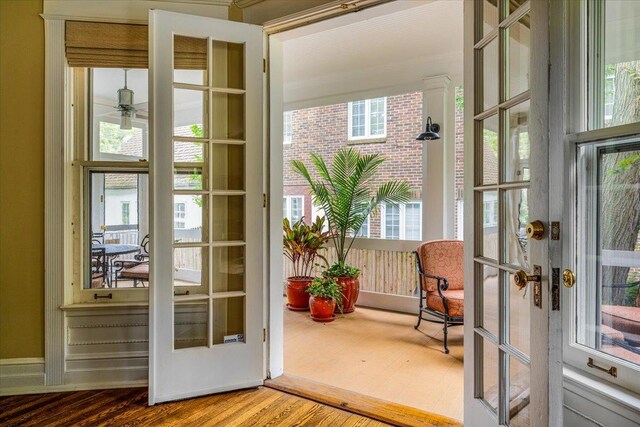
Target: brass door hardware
555,230
613,371
535,230
568,278
520,278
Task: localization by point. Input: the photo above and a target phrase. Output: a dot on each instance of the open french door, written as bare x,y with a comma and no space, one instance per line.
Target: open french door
206,292
508,299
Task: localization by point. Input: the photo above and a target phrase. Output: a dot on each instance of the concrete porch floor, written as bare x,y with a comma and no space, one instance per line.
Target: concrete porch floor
380,354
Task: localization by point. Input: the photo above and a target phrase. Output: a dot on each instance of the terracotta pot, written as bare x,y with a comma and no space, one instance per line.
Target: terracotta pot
350,291
322,309
297,295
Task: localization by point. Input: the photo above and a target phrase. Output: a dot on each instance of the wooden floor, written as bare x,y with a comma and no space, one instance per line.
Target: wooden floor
254,407
380,354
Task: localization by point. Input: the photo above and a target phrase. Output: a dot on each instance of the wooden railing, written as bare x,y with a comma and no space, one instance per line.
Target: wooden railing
387,266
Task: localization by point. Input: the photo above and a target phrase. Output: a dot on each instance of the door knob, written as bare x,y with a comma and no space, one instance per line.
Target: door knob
568,278
535,230
520,278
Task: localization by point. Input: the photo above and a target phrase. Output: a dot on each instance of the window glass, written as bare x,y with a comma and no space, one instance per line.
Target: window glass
392,222
357,124
293,207
287,126
615,71
367,118
413,221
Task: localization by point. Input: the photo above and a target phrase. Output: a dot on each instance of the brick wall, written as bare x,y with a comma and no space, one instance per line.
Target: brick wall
459,149
324,130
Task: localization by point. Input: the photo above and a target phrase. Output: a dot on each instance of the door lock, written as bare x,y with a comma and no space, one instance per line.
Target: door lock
535,230
568,278
520,278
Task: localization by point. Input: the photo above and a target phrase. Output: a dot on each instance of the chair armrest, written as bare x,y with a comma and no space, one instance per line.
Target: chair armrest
120,265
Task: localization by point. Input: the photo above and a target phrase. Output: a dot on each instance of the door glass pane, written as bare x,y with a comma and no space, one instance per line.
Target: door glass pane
490,150
228,65
615,78
189,179
228,167
517,218
228,320
490,373
227,111
519,316
519,56
490,224
608,302
489,56
191,324
190,269
189,60
228,218
190,113
489,16
519,393
228,269
517,148
490,301
189,152
190,218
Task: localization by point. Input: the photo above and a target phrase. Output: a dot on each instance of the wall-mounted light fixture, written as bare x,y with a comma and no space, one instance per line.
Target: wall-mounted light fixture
431,131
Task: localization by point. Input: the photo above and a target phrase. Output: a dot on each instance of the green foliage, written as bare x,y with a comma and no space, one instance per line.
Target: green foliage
112,137
344,192
337,270
631,295
302,244
459,98
197,131
490,140
624,164
326,287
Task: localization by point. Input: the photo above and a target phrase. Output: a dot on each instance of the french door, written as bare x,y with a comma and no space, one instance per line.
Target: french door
507,303
206,297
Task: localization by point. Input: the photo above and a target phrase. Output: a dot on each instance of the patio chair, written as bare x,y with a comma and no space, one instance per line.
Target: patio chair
440,267
136,270
98,268
625,320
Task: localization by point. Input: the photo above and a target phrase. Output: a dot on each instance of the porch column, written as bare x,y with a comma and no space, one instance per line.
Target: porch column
438,161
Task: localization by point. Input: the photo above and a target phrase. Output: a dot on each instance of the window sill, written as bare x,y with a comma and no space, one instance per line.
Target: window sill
106,304
367,141
599,390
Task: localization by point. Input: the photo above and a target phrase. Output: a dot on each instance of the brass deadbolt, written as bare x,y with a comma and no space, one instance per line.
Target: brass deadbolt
535,230
568,278
520,279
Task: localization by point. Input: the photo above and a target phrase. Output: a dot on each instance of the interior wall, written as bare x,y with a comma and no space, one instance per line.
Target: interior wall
21,179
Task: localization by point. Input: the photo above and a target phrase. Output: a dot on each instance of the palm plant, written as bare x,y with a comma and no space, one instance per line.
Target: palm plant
344,190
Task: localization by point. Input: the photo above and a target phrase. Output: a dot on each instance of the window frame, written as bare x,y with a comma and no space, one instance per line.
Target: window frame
183,214
367,121
402,223
288,200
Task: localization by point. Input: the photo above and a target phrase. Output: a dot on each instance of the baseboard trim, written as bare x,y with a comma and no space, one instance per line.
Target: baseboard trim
70,387
390,302
21,373
377,409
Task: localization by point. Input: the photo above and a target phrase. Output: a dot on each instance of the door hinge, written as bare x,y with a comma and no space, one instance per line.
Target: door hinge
264,65
264,334
264,200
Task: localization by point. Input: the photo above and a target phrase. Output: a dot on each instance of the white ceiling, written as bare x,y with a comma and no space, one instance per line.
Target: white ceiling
395,44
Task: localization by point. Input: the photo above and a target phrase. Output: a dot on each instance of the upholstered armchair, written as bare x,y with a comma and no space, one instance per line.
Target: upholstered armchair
441,270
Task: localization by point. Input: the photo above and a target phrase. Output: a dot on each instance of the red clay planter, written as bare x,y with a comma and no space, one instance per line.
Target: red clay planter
350,291
322,309
297,295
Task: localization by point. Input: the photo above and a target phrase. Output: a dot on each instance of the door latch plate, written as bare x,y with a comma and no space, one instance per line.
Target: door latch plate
555,289
537,286
555,230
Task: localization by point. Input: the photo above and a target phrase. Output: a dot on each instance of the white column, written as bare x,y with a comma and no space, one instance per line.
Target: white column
438,160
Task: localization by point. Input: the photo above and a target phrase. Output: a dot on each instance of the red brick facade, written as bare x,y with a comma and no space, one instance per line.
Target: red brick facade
323,130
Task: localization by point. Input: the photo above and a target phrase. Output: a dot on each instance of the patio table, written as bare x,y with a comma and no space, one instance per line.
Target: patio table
112,251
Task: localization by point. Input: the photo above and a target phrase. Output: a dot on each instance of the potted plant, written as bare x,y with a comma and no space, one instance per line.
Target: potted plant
326,298
302,244
345,191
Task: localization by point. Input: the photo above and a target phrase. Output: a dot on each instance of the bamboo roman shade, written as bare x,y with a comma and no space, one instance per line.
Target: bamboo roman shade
106,45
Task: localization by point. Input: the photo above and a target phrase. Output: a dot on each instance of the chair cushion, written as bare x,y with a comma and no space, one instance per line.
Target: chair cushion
455,302
624,319
444,258
140,271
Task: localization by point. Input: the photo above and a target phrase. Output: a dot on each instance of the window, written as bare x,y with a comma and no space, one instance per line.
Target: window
293,207
368,119
490,217
402,222
287,127
125,212
179,215
364,232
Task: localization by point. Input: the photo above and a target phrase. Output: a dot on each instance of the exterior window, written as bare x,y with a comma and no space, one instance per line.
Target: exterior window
125,212
179,215
402,222
287,127
490,213
364,230
293,207
368,119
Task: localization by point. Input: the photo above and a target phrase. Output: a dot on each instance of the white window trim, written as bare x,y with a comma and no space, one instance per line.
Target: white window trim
288,205
182,219
367,121
403,220
287,131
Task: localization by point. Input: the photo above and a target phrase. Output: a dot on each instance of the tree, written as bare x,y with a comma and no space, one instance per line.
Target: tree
620,203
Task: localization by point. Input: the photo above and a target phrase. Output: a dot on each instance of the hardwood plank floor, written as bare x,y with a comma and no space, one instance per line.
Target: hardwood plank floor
378,353
119,407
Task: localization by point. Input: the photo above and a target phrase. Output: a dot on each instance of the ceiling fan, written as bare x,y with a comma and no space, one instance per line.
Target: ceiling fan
126,106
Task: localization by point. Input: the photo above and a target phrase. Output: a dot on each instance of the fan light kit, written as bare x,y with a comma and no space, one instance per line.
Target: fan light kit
125,104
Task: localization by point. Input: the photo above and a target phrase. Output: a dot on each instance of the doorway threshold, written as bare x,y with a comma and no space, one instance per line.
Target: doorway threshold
377,409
